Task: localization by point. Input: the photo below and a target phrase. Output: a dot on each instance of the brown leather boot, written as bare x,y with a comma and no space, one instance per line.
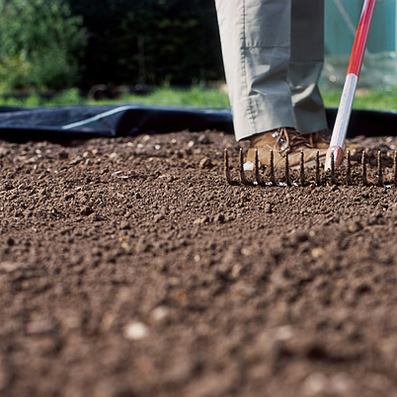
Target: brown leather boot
283,141
321,140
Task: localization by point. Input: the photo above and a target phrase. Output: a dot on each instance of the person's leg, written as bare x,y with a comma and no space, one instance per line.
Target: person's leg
306,62
255,36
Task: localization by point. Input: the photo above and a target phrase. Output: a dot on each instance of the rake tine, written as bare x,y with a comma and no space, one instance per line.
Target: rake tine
258,178
272,175
318,176
244,180
364,168
349,169
287,178
333,178
395,168
380,174
302,169
229,179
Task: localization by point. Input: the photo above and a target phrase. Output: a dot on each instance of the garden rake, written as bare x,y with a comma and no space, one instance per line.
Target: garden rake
335,151
321,177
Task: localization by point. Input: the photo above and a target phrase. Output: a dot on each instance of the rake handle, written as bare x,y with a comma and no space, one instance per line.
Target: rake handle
335,149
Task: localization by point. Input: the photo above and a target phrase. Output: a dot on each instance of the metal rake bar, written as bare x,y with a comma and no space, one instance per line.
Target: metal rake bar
320,178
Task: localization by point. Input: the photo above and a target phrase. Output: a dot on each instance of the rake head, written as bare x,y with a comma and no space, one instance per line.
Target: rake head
321,177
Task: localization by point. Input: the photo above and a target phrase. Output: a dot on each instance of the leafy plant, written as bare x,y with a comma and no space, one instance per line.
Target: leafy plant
150,42
40,41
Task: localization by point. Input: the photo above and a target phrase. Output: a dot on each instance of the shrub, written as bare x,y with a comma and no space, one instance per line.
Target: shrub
39,45
150,41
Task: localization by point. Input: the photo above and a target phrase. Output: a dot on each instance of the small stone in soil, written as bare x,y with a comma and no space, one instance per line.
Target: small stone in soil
135,331
76,160
10,267
317,252
125,225
159,313
95,218
63,155
315,384
284,333
158,218
201,221
86,211
205,163
354,227
219,218
203,139
249,166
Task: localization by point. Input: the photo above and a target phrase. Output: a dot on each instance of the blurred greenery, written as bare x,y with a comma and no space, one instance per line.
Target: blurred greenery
149,42
197,97
40,42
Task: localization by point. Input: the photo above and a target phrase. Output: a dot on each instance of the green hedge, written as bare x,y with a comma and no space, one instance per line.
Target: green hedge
149,42
40,42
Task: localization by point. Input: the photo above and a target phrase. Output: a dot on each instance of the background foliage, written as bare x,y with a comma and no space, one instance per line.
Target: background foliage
40,42
149,41
153,42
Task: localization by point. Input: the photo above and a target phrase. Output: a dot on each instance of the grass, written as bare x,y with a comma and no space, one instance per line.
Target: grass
366,99
198,97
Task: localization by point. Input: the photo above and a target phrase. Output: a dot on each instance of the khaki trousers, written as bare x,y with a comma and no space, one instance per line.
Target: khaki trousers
273,54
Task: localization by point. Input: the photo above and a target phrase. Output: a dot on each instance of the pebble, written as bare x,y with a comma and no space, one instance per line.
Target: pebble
135,331
203,139
315,384
87,210
317,253
341,384
201,221
159,313
158,218
95,218
76,160
63,155
268,208
125,225
236,271
205,163
219,218
284,333
249,166
10,267
354,227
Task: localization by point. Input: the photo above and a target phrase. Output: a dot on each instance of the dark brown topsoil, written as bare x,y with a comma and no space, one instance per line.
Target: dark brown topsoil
129,267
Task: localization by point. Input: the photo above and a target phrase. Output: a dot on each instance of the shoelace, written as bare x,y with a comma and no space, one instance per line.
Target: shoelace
289,139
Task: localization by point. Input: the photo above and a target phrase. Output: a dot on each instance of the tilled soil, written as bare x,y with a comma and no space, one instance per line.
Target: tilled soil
129,267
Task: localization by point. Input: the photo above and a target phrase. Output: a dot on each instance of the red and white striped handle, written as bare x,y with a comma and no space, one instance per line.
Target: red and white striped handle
349,89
